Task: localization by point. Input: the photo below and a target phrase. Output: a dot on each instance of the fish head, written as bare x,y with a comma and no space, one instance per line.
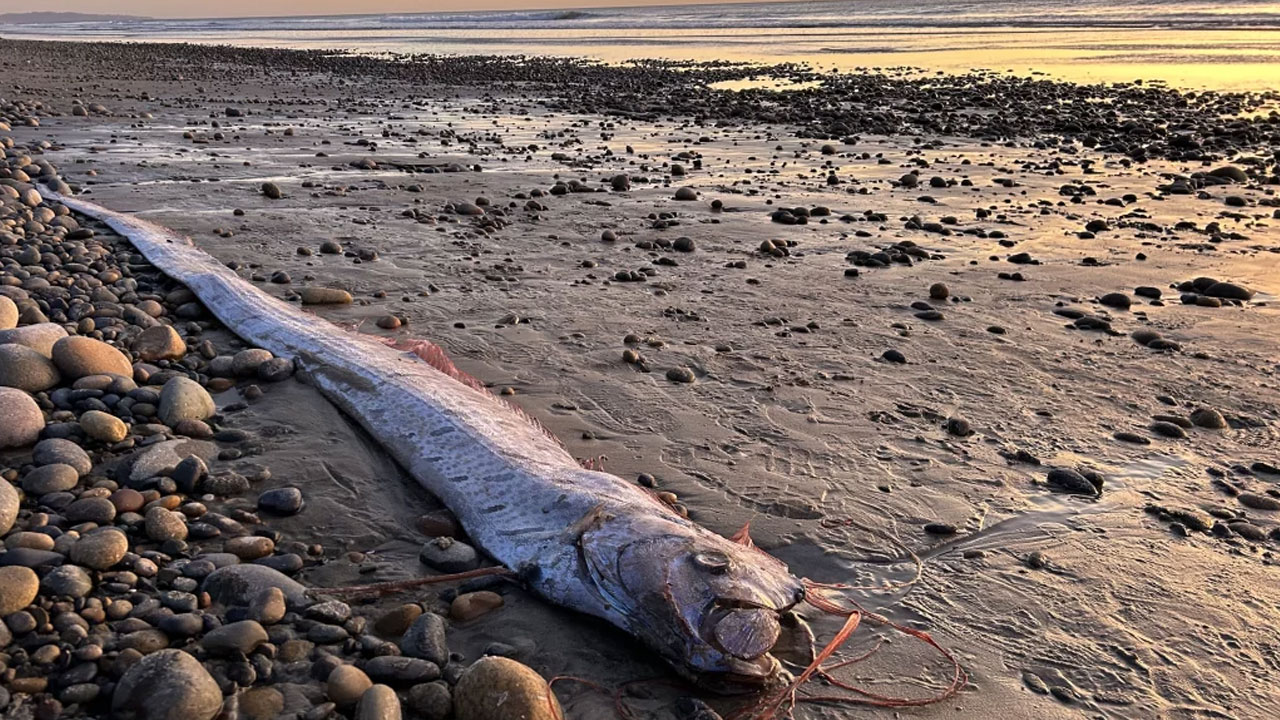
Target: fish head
711,607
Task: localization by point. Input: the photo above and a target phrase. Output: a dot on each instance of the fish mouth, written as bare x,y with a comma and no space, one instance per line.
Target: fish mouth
744,633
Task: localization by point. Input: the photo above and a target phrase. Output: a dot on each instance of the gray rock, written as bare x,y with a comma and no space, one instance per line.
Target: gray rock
8,314
399,670
91,509
184,399
50,479
168,685
378,703
100,549
425,639
238,584
9,503
431,701
39,337
25,369
163,525
51,451
18,588
449,555
23,419
77,356
242,637
268,607
281,501
69,581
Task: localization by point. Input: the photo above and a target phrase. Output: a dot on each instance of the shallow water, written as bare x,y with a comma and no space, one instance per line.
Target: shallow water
1194,45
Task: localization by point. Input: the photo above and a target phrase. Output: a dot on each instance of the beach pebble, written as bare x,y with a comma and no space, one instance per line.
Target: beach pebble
100,549
431,701
399,670
324,296
246,362
497,688
939,291
78,356
249,547
103,427
184,399
425,639
346,684
53,478
469,606
378,703
168,685
238,584
25,369
1208,418
8,313
1258,502
268,606
159,342
281,501
40,337
54,451
67,581
163,525
681,375
9,504
271,190
23,420
18,588
686,193
237,637
449,555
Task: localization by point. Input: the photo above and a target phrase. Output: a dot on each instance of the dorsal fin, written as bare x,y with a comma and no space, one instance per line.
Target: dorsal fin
435,356
743,536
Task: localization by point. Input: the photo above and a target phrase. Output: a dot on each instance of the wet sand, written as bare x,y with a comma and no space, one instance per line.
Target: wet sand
796,422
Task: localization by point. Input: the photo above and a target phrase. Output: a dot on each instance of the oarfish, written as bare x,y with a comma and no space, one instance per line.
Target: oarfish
580,538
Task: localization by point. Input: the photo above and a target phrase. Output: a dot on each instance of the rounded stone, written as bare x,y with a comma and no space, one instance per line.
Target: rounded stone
498,688
378,703
52,451
325,296
98,510
9,502
25,369
100,549
168,685
67,581
50,479
346,684
469,606
184,399
163,525
23,419
40,337
103,427
281,501
250,547
245,363
8,314
78,356
242,637
238,584
159,342
18,588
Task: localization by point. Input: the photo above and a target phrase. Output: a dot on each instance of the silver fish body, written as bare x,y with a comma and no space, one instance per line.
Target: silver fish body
583,539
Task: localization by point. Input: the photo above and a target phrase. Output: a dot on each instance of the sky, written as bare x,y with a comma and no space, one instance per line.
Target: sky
245,8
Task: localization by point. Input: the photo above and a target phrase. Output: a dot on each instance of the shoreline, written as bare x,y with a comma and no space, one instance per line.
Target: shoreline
797,420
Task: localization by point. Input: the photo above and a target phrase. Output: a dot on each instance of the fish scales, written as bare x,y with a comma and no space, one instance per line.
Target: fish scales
584,539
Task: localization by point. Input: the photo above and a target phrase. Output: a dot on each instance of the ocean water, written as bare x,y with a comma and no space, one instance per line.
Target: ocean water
1222,45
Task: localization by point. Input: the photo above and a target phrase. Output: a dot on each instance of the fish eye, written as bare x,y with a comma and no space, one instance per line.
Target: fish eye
711,561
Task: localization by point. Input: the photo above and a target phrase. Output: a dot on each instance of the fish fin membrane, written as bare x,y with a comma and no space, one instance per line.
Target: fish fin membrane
435,356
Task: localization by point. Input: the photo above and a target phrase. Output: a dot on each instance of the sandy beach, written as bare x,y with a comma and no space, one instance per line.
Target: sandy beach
1022,330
